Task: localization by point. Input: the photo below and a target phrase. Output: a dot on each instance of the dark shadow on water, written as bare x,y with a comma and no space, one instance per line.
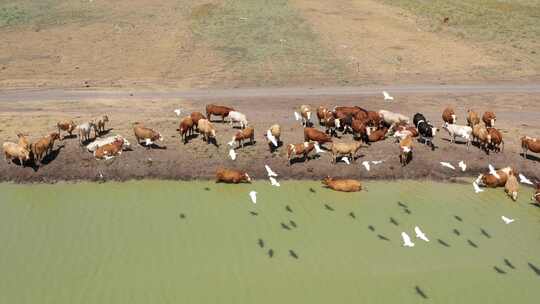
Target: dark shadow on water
420,292
261,243
406,210
352,215
393,221
293,254
382,237
293,223
288,208
284,226
312,190
402,205
472,244
485,233
534,268
458,218
328,207
253,213
498,270
270,253
182,216
445,244
509,264
456,232
206,189
371,227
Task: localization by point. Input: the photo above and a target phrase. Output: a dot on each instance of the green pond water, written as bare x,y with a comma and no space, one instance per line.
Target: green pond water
177,242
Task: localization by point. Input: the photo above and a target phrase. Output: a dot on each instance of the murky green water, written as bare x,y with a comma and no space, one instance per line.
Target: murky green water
127,243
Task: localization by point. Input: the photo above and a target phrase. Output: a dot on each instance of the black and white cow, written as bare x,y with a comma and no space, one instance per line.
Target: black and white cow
425,128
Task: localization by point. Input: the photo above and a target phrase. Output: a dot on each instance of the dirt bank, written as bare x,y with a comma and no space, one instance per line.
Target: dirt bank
517,115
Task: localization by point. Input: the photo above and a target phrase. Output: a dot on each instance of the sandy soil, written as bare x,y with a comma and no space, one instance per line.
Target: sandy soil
517,115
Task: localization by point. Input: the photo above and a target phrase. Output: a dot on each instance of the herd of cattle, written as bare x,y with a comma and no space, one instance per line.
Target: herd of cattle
365,127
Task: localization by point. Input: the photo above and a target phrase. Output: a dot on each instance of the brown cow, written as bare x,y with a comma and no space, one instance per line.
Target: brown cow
492,181
331,124
377,135
110,150
374,119
206,128
66,125
489,119
186,128
303,149
232,176
100,123
344,185
316,135
406,150
495,140
472,118
15,151
44,146
196,116
512,186
322,114
247,133
345,149
349,111
361,130
146,134
530,144
449,115
216,110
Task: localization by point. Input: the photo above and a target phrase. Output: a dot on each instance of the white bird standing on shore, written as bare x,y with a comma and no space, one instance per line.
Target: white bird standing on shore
477,188
524,180
253,196
463,166
274,182
178,111
406,240
421,235
507,220
318,149
493,172
269,171
387,96
232,154
448,165
366,165
346,160
376,162
271,138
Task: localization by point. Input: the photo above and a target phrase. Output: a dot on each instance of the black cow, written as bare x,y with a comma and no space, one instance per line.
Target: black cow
425,129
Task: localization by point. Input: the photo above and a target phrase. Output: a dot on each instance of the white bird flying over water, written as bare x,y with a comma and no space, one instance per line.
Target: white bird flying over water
274,182
269,171
318,148
493,172
524,180
366,165
387,96
406,240
232,154
178,111
346,160
297,116
253,196
271,138
463,166
419,234
507,220
477,188
448,165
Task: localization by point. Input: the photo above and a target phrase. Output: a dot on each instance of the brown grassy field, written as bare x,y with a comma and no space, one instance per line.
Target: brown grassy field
225,43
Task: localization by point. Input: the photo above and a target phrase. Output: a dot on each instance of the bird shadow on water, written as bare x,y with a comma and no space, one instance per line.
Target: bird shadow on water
445,244
261,243
288,208
352,215
372,228
509,264
270,253
293,254
328,207
457,217
472,244
498,270
456,232
420,292
383,238
253,213
393,221
485,233
534,268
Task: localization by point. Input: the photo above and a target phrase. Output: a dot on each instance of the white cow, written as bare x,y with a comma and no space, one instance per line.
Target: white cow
392,118
237,117
454,130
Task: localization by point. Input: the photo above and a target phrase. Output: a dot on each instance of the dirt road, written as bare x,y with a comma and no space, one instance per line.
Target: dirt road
517,108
